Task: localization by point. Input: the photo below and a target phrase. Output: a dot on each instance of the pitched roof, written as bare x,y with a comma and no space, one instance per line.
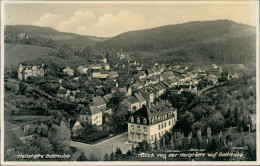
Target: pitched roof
85,111
107,97
80,95
156,110
62,91
139,97
158,87
98,101
132,100
94,110
96,71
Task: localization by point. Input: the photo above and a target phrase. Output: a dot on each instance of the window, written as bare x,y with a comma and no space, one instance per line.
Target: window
132,119
169,123
138,120
132,136
145,129
132,127
138,128
152,137
158,127
152,120
155,136
164,124
144,121
159,135
138,136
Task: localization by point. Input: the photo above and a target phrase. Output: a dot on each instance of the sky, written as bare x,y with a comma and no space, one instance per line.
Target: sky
111,19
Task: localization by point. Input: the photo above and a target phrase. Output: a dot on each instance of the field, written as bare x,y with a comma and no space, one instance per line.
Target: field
16,53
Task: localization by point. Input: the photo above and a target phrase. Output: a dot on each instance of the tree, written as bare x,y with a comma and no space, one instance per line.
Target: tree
129,153
106,157
59,137
199,139
185,122
118,119
118,151
82,157
209,136
216,122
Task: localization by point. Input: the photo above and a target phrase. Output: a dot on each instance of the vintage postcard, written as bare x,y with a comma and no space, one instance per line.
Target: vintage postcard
129,82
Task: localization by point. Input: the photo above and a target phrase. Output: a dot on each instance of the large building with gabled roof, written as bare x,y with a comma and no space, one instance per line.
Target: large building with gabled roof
151,123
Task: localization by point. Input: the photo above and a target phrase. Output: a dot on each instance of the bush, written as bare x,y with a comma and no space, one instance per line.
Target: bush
92,137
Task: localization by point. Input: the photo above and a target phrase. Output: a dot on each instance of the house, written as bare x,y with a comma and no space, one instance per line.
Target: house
113,74
127,90
212,78
83,69
149,72
100,103
96,73
63,93
151,123
80,97
106,66
71,96
132,104
169,74
156,71
159,90
76,129
30,71
91,115
214,71
140,98
96,66
107,97
103,75
114,89
140,75
68,70
101,59
149,94
232,75
132,62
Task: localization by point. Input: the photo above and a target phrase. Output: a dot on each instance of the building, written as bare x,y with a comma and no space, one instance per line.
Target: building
68,70
96,73
106,66
149,72
76,129
80,97
100,103
140,75
83,69
140,98
63,93
151,123
113,74
91,115
30,71
149,94
101,59
126,90
159,90
132,104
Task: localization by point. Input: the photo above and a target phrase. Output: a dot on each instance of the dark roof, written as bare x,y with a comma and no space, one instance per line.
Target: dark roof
158,87
140,97
96,71
85,111
98,101
62,91
80,95
94,110
107,97
132,100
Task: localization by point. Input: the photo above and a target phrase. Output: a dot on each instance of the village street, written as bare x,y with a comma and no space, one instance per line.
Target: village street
100,149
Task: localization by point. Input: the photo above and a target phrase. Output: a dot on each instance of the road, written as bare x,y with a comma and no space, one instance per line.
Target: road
100,149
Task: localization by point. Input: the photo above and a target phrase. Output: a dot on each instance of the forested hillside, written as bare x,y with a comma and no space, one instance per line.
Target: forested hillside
221,41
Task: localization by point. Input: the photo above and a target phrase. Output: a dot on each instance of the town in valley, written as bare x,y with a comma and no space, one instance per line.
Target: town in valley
115,103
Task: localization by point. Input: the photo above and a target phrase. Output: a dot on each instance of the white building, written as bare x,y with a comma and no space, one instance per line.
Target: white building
150,123
91,115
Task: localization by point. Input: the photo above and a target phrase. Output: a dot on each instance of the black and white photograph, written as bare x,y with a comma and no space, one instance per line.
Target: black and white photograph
129,82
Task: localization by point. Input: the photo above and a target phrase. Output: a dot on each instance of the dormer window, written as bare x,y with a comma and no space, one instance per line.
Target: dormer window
144,121
138,120
152,120
132,119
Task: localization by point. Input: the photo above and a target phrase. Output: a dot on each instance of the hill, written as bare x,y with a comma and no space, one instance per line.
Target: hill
220,41
45,36
17,53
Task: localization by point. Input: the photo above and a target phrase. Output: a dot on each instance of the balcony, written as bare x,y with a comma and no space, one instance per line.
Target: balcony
132,131
145,132
138,132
